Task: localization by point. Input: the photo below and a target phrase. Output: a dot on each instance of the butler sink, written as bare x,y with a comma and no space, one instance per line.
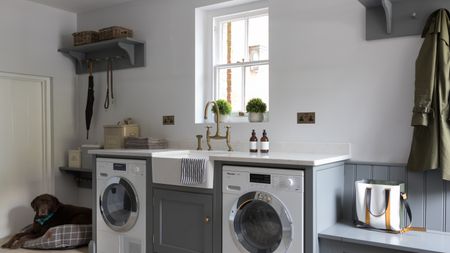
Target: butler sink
166,167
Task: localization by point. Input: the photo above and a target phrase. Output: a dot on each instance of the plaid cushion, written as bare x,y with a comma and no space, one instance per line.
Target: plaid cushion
62,237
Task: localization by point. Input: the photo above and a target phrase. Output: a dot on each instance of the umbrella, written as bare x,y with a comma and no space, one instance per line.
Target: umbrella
90,101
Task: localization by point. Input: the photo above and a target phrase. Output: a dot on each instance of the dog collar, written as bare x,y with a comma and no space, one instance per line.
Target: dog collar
43,220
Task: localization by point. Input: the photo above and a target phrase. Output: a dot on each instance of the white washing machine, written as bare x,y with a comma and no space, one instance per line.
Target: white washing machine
121,221
262,210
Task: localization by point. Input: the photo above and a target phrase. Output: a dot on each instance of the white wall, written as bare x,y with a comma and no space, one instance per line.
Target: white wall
31,34
320,61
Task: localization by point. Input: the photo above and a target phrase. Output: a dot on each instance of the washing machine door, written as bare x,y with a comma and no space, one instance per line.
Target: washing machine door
261,223
119,204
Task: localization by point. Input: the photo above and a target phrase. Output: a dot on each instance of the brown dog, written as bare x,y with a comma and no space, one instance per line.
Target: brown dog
49,213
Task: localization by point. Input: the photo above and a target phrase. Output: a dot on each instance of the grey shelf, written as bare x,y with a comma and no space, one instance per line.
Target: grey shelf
397,18
419,242
371,3
124,53
82,176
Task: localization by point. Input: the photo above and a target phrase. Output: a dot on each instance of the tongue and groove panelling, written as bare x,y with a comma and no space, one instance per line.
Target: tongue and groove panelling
428,194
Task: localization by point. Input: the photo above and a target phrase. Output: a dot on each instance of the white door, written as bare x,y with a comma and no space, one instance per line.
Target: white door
25,153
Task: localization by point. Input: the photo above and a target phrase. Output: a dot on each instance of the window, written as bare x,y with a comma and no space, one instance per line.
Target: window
231,55
241,57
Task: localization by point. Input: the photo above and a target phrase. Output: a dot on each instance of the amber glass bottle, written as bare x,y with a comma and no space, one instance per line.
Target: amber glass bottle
264,143
253,142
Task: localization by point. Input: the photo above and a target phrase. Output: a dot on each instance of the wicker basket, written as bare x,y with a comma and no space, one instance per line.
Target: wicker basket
114,32
85,37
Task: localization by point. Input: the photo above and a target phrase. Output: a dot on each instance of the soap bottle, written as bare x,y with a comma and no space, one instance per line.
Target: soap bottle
264,143
253,142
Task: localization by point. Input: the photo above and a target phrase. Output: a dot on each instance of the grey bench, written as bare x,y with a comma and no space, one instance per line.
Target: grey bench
346,238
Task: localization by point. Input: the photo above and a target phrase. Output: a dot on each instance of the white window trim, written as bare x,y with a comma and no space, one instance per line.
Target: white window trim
206,18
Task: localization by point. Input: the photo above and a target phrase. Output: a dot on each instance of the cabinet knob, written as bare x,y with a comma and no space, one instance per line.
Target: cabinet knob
206,220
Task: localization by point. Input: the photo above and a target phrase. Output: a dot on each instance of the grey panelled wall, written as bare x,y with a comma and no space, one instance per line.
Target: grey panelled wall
429,195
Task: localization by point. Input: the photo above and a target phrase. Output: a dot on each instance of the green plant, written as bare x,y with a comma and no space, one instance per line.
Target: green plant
224,107
256,105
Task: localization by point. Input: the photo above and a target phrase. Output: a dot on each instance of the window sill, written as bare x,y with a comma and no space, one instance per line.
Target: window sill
234,119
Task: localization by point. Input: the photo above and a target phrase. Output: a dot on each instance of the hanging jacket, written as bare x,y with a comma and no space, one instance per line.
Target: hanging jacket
430,148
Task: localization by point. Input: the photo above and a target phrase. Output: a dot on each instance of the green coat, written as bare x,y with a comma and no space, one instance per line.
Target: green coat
430,148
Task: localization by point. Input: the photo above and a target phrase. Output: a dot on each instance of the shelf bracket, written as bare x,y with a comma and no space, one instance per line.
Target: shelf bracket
387,6
397,18
79,57
83,177
129,49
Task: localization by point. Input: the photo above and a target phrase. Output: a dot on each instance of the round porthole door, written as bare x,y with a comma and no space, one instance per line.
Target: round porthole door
119,204
261,223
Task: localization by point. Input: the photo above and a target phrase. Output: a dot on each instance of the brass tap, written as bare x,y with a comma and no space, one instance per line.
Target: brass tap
217,136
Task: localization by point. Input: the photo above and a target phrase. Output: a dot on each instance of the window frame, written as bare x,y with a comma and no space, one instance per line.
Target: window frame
217,51
204,53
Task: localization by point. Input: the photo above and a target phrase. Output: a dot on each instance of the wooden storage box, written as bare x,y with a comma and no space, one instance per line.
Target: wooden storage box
115,135
74,158
85,37
114,32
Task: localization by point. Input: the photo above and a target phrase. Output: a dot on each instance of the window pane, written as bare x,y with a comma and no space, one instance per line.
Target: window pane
257,83
231,91
237,36
258,38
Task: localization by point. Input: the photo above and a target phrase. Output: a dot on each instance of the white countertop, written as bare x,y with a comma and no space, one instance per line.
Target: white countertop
127,152
302,159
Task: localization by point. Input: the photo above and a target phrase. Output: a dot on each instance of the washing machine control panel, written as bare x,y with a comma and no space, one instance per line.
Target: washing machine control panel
242,181
120,167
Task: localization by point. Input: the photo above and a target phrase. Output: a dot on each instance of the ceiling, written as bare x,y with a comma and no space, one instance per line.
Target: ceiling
79,6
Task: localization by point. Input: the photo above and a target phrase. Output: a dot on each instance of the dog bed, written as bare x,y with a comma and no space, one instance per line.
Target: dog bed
62,237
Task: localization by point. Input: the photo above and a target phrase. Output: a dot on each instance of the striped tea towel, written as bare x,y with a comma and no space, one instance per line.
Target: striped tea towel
193,171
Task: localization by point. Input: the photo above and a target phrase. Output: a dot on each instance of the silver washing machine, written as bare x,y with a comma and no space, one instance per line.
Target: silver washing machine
121,209
262,210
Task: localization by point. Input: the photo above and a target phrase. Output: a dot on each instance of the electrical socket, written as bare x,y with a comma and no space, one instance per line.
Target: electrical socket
168,120
306,118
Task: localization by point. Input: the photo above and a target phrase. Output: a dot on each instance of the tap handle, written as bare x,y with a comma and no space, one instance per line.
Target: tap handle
199,141
208,137
228,138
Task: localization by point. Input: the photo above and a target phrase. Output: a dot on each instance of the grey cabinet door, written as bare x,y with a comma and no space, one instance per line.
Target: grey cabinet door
182,222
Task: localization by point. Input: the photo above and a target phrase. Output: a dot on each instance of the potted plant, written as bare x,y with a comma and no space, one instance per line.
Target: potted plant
224,109
256,109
